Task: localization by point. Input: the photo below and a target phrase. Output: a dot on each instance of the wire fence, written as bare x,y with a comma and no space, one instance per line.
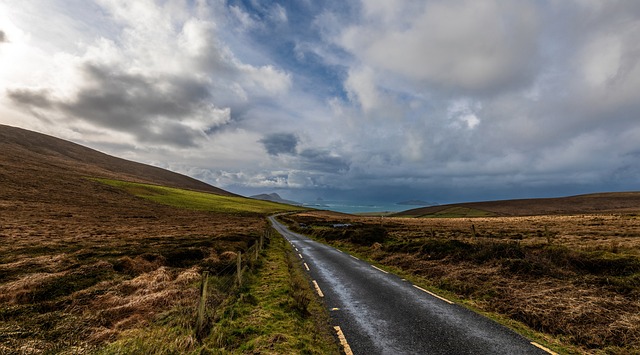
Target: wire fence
227,280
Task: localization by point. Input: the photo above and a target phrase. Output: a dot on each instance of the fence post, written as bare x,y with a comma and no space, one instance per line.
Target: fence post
547,235
262,240
202,304
239,268
473,231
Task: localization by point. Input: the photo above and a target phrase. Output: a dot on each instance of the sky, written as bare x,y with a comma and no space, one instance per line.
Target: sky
371,100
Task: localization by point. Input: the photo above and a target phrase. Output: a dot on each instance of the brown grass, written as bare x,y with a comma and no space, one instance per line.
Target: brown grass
576,278
81,281
82,263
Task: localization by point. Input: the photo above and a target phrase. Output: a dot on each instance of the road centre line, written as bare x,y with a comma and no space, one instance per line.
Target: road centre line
379,269
543,348
343,341
315,284
306,266
433,294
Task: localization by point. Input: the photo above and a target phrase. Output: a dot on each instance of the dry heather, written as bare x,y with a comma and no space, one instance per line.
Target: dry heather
574,277
75,276
82,263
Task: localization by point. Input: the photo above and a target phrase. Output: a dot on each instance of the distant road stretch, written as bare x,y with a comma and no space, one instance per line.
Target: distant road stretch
379,313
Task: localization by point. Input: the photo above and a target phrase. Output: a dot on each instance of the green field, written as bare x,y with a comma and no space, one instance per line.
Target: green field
201,201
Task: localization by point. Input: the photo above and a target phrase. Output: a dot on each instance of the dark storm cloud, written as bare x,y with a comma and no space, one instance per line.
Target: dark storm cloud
322,161
310,160
152,109
30,98
121,100
280,143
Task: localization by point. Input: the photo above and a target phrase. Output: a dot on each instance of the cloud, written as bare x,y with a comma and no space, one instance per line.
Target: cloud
166,79
3,37
319,160
607,60
166,110
280,143
30,98
464,45
278,13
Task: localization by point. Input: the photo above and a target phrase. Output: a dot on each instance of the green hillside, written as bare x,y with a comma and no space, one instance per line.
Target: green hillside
201,201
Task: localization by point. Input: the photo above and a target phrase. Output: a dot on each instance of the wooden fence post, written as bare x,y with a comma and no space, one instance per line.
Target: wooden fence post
202,304
262,240
473,231
239,268
546,234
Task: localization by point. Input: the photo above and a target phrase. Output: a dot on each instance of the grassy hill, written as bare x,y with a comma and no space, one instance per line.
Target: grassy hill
612,202
26,151
203,201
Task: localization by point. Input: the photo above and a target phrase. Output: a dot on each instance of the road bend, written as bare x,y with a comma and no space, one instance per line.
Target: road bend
381,313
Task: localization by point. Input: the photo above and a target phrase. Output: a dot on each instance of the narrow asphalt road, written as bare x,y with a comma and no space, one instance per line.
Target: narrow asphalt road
380,313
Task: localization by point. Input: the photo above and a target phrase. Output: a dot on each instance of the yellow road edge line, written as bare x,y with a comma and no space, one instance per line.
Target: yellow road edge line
433,294
543,348
354,257
306,266
379,269
343,341
318,289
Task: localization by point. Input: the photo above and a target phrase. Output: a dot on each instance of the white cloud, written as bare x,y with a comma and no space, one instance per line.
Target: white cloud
462,45
362,87
152,80
278,13
246,21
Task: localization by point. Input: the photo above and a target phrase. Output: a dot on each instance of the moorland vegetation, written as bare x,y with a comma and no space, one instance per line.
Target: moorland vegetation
569,281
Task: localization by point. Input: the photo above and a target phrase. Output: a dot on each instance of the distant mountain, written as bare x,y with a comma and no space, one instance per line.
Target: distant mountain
274,197
607,202
416,203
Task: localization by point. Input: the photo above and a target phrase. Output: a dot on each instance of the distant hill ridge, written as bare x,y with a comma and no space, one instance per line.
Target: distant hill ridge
274,197
23,149
606,202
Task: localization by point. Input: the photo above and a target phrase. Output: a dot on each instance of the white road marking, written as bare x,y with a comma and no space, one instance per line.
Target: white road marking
354,257
300,255
379,269
343,341
433,294
543,348
315,284
306,266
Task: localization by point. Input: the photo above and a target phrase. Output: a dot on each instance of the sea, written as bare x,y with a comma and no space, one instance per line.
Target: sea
354,207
